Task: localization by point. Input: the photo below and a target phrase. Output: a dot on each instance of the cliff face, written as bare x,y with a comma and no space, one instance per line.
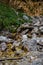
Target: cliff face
28,6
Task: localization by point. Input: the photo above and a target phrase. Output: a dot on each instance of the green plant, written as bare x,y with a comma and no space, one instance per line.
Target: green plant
9,18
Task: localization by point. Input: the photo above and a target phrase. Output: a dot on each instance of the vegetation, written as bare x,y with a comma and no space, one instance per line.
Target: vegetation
9,19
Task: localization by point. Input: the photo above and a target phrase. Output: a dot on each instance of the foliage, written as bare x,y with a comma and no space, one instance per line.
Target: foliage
9,19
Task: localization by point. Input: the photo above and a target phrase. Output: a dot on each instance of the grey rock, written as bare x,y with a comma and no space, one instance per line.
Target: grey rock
3,46
5,39
40,40
36,29
25,17
24,38
15,43
24,32
32,45
41,29
37,62
37,24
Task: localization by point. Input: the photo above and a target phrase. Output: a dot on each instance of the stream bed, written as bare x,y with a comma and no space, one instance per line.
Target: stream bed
25,47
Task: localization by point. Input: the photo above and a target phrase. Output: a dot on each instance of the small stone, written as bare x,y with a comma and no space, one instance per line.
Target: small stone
41,29
24,38
3,46
15,43
36,29
37,24
25,17
5,39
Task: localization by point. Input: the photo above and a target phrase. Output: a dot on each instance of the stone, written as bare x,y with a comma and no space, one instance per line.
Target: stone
37,62
5,39
32,45
36,29
3,46
25,17
24,38
24,32
41,29
40,40
37,24
15,43
34,36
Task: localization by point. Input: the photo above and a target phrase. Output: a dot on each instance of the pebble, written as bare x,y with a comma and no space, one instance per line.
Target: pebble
25,17
15,43
37,24
36,29
5,39
24,38
3,46
41,29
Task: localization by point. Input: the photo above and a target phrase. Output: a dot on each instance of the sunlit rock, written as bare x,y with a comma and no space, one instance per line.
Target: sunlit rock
5,39
24,38
36,29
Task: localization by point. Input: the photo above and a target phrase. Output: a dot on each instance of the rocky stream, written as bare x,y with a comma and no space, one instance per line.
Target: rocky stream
25,47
